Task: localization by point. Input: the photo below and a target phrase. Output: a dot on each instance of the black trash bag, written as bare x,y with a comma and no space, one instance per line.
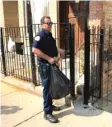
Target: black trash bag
59,84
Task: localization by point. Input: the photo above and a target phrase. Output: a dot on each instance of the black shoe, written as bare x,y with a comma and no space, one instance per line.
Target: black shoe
54,108
51,118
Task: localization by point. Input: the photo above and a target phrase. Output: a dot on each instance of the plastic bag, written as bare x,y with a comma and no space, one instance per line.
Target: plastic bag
11,45
59,83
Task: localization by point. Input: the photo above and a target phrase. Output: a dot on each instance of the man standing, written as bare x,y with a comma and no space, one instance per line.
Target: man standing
44,46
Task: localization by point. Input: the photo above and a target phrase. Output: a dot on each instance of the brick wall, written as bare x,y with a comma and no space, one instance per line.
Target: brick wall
95,13
107,9
107,65
100,13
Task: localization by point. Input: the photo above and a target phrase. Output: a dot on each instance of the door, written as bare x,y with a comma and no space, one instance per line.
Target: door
72,12
76,17
63,24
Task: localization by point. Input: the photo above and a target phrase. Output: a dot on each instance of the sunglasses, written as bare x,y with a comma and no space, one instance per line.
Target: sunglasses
49,23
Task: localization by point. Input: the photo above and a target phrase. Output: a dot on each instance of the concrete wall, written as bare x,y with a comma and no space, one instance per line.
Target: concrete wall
21,13
39,9
44,7
52,10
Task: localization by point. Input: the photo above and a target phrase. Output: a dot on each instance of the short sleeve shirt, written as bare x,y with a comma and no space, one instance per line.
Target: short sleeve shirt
46,43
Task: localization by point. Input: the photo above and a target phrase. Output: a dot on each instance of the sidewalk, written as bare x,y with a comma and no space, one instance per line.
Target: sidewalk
27,86
22,109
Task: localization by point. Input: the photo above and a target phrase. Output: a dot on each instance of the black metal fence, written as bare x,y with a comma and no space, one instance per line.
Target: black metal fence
16,56
17,59
16,51
99,56
96,41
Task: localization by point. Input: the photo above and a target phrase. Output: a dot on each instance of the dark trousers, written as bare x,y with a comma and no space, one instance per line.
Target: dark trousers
44,69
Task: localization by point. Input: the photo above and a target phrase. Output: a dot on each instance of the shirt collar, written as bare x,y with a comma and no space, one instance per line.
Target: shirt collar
46,31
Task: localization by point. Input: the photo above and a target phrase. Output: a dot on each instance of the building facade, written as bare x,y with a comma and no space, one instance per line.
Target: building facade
15,14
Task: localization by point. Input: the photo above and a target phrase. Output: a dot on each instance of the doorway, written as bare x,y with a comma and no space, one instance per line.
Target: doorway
71,12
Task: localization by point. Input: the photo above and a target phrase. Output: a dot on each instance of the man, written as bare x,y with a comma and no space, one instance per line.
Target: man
44,46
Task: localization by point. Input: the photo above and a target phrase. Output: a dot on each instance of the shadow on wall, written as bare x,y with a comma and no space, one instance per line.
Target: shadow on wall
9,109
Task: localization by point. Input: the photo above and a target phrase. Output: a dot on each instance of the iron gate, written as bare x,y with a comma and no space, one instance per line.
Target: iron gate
21,63
99,57
17,58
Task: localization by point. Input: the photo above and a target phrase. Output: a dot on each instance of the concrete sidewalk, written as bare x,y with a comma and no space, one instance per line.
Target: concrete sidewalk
27,86
75,116
22,109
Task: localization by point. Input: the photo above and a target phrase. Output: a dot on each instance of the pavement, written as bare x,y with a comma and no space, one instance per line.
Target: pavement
27,86
21,108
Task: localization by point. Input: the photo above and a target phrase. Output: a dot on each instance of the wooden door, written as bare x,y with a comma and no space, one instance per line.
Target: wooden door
76,16
63,22
73,13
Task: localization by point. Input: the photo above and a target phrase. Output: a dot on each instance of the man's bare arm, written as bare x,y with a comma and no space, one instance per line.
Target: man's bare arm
61,51
39,53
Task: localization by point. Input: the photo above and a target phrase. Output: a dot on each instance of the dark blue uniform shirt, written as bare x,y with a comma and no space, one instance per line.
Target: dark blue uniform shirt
46,43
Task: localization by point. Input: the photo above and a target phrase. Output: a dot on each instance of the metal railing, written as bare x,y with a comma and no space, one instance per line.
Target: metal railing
100,59
18,60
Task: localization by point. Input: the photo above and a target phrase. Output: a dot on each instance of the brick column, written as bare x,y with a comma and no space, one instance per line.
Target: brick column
95,13
107,64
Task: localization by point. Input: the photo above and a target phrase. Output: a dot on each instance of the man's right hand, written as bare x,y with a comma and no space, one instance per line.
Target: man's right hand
51,60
